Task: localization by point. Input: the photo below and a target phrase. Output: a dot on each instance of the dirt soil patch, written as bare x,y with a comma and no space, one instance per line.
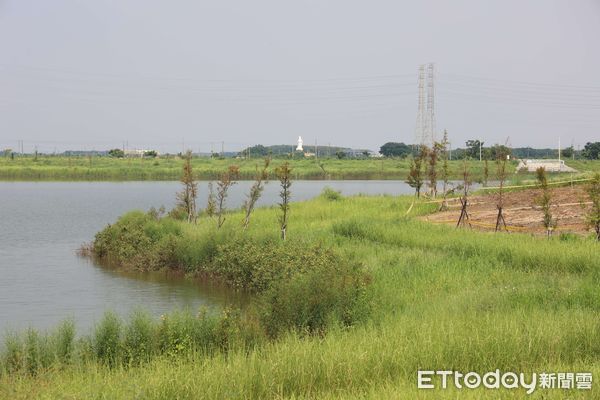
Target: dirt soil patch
521,212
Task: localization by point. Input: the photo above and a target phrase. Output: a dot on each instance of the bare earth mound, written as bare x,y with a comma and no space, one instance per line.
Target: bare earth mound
521,212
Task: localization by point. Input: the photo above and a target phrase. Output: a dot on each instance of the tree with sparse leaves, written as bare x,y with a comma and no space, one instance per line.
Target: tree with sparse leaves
545,201
415,173
186,199
593,215
211,204
501,175
463,219
445,171
226,180
433,157
284,173
255,191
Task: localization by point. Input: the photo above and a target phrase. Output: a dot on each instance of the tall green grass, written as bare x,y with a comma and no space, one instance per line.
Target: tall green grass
107,168
440,298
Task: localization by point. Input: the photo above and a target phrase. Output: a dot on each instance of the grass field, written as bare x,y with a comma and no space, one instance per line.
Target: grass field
443,299
106,168
114,169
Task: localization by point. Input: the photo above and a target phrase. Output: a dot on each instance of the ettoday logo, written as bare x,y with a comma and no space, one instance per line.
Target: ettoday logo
507,380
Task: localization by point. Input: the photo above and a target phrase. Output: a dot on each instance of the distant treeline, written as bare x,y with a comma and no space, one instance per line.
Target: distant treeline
282,149
472,149
475,149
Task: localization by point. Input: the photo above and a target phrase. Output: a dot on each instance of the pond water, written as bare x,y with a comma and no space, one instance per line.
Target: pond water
43,281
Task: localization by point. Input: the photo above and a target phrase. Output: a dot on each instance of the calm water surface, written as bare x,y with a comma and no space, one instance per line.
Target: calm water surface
43,281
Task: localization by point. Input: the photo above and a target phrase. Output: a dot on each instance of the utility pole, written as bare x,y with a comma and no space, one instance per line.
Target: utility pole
479,150
222,149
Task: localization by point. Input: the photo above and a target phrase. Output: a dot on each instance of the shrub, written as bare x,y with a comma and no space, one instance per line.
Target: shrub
107,339
139,240
32,351
138,341
331,195
64,342
125,239
13,353
175,333
308,302
302,286
254,264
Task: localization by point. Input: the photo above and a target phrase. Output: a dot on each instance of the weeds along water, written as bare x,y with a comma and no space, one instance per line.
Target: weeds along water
438,298
169,168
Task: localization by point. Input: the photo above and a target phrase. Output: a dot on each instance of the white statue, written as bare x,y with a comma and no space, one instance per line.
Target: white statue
299,148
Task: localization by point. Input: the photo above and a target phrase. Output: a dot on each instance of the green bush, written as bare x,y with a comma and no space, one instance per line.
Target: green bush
331,195
107,336
124,240
32,351
176,332
13,357
138,340
195,254
64,342
302,286
139,240
252,264
330,293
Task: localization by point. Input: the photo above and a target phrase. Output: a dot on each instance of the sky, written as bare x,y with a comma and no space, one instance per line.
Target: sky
173,75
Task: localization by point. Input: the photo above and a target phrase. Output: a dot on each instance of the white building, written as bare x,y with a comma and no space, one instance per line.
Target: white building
299,147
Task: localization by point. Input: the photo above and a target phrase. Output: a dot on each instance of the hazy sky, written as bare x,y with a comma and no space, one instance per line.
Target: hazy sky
92,74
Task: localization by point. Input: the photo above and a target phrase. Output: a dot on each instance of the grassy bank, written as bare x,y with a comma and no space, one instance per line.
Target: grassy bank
440,299
106,168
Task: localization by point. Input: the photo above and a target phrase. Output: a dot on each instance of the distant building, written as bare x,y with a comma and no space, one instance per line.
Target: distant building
299,147
548,165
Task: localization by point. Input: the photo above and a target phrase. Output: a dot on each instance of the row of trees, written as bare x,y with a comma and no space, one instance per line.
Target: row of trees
475,149
591,151
550,221
216,205
424,170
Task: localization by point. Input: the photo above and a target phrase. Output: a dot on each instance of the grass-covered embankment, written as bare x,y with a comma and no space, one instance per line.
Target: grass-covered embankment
163,168
440,299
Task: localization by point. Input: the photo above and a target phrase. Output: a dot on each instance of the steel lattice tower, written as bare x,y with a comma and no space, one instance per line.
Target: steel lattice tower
425,127
421,121
430,127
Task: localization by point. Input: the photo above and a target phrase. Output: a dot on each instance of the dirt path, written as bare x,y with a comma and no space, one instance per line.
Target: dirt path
521,212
